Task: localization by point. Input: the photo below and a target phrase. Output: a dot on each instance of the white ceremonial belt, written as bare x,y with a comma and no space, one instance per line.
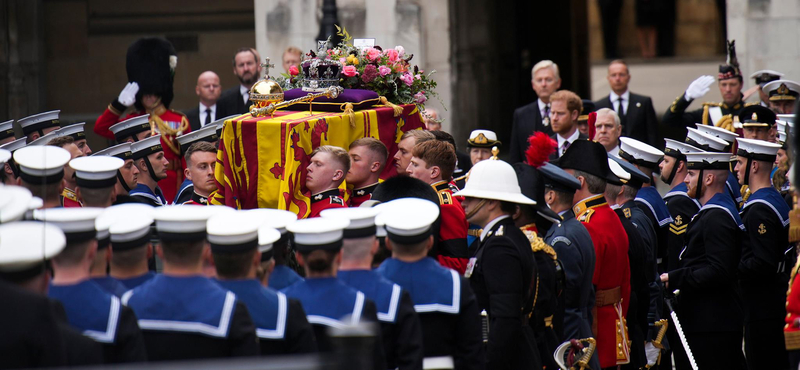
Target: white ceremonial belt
438,363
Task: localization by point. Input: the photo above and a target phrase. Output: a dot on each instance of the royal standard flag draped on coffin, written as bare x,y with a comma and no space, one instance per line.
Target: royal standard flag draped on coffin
261,161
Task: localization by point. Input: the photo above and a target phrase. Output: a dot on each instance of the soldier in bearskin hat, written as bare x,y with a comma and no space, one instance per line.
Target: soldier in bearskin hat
150,64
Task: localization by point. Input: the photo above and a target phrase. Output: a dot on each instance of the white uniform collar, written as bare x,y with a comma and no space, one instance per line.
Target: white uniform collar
490,225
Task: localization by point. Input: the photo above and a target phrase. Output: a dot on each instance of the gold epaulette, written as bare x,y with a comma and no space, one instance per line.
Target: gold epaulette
711,104
538,244
586,215
749,104
445,197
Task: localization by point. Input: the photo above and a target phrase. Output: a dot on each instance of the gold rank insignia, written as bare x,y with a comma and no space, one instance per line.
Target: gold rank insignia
585,216
627,212
762,229
678,227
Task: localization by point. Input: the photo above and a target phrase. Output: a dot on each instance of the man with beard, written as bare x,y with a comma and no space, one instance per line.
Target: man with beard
783,95
247,68
127,175
709,305
565,107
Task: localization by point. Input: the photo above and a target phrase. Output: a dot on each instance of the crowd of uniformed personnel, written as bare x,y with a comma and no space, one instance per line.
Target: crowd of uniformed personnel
567,258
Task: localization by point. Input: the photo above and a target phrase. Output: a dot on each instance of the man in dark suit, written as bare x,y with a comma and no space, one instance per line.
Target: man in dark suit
565,107
534,116
635,111
247,68
208,90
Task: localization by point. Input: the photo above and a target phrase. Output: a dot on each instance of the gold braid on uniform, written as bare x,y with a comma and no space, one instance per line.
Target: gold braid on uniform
538,244
745,191
167,132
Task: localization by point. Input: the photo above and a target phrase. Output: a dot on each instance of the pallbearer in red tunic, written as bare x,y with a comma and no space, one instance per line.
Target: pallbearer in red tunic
151,66
69,196
324,174
433,162
367,159
588,162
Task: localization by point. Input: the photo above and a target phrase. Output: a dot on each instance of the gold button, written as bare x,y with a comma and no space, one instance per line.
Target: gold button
619,345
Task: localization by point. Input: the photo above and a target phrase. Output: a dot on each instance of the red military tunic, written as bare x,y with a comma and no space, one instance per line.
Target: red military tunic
452,248
791,331
70,199
362,195
174,178
325,200
612,277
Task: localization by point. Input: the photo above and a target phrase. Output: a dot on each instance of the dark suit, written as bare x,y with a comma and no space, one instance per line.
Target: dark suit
639,121
527,120
557,154
231,102
193,115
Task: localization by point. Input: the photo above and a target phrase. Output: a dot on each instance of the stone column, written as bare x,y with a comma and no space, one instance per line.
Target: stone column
765,32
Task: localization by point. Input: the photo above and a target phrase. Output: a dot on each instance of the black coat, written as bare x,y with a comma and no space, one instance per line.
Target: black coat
639,121
527,120
557,154
231,102
681,209
709,300
503,279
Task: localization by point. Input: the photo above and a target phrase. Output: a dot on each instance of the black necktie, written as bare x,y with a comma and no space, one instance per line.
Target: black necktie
620,107
208,117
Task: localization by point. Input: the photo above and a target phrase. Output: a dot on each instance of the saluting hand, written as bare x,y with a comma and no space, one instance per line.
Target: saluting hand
699,87
128,95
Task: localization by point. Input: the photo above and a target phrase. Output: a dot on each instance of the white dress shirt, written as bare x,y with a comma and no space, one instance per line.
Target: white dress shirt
570,139
203,113
626,98
244,93
542,106
614,151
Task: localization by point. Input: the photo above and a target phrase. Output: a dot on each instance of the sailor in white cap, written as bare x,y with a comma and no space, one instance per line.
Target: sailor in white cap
201,159
206,134
77,133
89,308
447,308
96,178
148,156
783,95
709,308
99,269
182,313
400,327
238,242
762,270
40,124
720,133
69,196
42,172
131,130
6,132
277,274
127,175
14,201
329,302
711,143
44,139
130,235
646,159
503,255
681,206
34,335
10,171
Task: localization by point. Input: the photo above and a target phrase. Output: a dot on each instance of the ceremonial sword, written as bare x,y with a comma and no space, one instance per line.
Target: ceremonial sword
679,329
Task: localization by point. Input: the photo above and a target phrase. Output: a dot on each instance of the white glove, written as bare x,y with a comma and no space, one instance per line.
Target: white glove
651,352
699,87
128,95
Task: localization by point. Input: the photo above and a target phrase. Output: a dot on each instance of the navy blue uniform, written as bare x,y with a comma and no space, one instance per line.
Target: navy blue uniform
100,316
575,250
191,317
134,282
283,276
185,192
650,202
111,285
327,302
400,327
681,208
147,196
281,324
763,278
446,307
709,306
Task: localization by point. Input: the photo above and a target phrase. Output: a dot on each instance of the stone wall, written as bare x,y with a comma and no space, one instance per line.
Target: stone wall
766,35
422,27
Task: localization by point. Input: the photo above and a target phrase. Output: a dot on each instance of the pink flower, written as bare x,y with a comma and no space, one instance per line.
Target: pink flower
417,76
349,71
420,97
392,54
384,70
372,54
343,60
400,51
294,71
407,78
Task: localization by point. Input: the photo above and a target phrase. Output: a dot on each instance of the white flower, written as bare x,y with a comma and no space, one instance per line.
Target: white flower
400,50
173,62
